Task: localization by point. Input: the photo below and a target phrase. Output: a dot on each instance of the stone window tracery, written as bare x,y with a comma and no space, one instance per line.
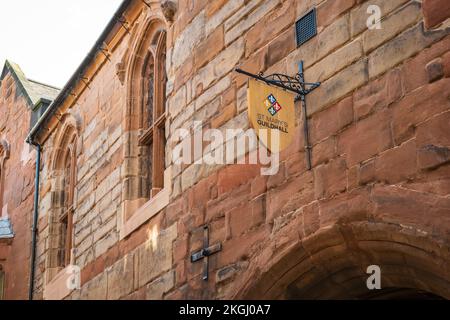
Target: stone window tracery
4,154
64,169
154,115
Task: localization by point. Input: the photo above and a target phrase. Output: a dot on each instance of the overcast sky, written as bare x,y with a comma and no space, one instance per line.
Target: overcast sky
50,38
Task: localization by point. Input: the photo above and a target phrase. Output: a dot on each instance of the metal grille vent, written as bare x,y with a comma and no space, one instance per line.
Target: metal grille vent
306,27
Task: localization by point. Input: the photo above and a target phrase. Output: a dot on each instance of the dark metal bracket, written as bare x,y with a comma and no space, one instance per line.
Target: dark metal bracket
298,85
206,252
124,23
145,2
105,50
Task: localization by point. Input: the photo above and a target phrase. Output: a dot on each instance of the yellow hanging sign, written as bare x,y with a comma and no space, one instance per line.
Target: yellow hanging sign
271,112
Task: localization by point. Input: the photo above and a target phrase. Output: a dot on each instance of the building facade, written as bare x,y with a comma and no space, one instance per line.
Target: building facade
22,100
120,218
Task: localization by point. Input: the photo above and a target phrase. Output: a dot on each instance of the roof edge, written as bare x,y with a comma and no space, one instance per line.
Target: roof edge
20,78
76,75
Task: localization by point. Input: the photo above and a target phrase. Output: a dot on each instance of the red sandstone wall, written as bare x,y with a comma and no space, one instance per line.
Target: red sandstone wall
379,129
18,188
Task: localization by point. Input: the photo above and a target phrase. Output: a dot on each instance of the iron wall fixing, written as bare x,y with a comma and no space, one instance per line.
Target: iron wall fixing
296,85
206,252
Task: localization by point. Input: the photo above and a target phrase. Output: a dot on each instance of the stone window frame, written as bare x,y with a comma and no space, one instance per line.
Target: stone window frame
69,197
153,126
4,155
139,204
66,149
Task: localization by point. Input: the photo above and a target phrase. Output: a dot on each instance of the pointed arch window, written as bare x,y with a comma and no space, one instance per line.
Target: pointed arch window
63,203
154,80
4,154
66,217
147,186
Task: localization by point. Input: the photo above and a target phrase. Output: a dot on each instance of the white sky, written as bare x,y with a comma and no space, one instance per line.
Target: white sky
50,38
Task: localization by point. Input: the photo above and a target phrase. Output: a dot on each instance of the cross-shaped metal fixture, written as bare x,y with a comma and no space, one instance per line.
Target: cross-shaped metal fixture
206,252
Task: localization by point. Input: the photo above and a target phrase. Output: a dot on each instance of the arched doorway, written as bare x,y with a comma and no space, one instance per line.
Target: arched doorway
332,264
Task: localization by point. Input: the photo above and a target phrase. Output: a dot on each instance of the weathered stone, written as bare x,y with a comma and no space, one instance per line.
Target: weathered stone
155,255
217,68
96,289
378,94
397,164
431,157
224,116
329,10
331,120
209,48
338,86
332,37
417,107
178,102
188,39
269,27
435,12
249,20
121,278
400,48
366,138
330,179
392,26
221,12
359,15
156,289
435,70
335,62
380,157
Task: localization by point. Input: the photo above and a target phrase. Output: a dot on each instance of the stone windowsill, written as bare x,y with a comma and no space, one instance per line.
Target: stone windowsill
149,209
57,288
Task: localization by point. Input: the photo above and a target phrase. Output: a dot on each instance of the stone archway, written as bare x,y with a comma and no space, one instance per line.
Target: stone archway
332,264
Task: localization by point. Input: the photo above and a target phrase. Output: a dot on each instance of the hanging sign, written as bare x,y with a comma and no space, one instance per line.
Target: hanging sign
272,114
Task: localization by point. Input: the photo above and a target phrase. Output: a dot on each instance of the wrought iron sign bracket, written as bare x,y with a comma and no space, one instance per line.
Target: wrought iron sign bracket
296,85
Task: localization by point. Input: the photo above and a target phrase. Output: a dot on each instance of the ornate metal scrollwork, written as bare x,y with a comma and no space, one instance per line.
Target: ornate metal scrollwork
298,85
295,84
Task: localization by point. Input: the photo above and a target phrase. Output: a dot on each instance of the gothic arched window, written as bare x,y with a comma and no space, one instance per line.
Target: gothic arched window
153,115
66,217
4,154
64,166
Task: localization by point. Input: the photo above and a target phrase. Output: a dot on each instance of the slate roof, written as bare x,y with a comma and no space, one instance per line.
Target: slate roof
6,231
34,90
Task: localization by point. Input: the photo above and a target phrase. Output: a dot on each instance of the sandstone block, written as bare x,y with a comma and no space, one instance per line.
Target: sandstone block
155,256
400,48
392,26
338,86
329,10
435,12
359,15
156,289
366,138
121,278
335,62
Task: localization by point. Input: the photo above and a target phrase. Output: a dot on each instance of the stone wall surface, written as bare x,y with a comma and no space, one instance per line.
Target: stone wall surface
377,128
18,186
380,155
